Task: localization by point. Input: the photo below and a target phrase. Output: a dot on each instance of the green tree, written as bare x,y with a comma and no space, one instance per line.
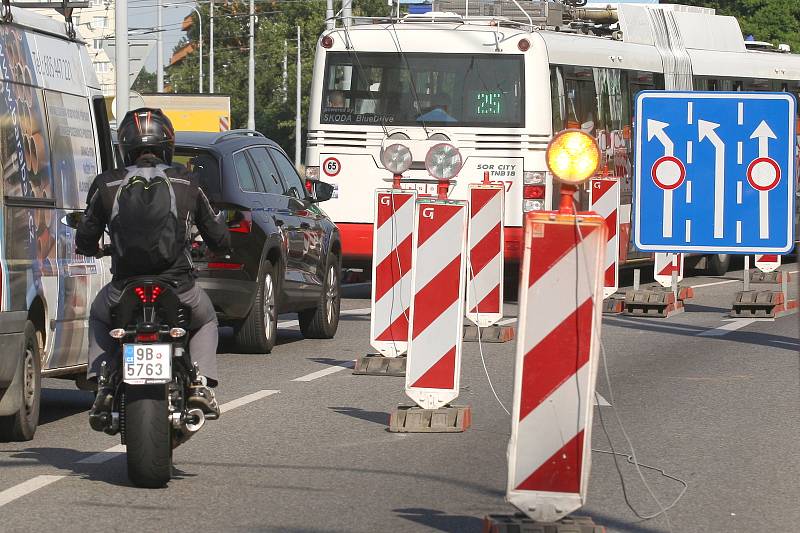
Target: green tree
145,82
276,37
775,21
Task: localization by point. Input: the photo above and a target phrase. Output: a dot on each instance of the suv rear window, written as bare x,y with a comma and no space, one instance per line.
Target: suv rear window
205,166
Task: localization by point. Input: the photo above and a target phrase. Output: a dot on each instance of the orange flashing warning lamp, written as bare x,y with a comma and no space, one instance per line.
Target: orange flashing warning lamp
573,157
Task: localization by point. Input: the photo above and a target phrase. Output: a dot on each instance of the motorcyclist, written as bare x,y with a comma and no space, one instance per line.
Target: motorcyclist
147,142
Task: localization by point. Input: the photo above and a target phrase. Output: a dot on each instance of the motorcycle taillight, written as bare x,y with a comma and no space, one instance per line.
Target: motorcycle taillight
148,294
146,337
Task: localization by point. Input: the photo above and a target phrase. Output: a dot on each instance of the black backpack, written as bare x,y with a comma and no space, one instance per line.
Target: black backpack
145,231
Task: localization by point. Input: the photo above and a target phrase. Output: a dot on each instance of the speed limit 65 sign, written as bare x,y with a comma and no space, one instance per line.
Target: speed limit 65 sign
331,166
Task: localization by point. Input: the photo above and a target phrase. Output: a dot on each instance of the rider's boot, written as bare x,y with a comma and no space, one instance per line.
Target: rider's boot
202,397
100,413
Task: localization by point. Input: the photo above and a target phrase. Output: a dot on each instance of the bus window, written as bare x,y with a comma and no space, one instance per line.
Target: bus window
72,146
416,88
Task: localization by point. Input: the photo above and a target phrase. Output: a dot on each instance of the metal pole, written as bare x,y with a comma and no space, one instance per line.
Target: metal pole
211,48
251,73
159,47
746,273
285,73
298,115
123,81
347,12
329,22
200,21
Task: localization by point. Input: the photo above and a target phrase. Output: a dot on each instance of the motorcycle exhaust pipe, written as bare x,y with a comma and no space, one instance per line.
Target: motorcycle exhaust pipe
194,420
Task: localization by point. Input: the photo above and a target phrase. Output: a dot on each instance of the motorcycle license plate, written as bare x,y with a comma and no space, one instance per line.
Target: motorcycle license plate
147,363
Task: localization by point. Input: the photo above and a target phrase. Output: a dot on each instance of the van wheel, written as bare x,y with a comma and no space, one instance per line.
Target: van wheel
718,264
322,321
259,331
21,426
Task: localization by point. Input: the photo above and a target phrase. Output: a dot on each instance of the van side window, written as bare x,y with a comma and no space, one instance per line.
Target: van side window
294,185
266,168
244,172
25,148
72,146
103,133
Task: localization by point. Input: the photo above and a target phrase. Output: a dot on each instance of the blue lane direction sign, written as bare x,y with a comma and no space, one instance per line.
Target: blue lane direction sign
715,172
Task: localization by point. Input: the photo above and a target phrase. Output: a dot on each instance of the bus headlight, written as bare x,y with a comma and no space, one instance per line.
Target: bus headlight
443,161
396,158
573,156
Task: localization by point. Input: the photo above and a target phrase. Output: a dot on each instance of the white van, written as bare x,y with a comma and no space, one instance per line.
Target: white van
54,139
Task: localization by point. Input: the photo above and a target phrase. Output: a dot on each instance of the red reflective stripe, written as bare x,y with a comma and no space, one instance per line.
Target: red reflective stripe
481,197
557,358
611,224
558,240
611,275
392,268
605,186
768,259
441,375
225,266
398,330
435,297
441,214
490,304
485,250
561,472
396,201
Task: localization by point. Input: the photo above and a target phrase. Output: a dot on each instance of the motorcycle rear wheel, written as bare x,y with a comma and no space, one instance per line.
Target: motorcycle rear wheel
148,435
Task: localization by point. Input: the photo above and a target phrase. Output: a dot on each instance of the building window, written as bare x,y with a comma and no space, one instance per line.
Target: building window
98,22
102,67
97,44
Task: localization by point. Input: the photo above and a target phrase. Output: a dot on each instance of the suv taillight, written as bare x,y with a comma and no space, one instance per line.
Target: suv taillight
239,221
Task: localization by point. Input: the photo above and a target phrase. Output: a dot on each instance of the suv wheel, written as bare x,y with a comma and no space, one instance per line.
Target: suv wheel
259,331
322,321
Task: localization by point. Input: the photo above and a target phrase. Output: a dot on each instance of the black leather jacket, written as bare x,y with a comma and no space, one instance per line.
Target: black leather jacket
192,206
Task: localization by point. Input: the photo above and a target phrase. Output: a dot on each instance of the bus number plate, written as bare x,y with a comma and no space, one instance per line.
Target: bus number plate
147,363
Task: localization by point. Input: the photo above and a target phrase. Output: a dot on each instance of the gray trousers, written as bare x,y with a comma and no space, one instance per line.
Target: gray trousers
203,332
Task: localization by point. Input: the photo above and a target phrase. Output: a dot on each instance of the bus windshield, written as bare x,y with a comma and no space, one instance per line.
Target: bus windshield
411,89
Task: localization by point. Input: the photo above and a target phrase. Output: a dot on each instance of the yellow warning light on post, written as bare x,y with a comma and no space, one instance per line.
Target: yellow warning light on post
573,156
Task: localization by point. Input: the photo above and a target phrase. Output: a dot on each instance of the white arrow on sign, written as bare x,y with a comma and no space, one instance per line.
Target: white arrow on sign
655,128
706,130
763,133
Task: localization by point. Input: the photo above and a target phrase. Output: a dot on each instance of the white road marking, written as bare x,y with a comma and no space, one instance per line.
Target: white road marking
506,321
26,487
286,324
102,457
599,401
325,371
38,482
731,326
716,283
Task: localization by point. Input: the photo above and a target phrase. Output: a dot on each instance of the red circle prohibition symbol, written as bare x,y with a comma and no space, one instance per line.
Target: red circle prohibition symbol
668,172
763,174
331,166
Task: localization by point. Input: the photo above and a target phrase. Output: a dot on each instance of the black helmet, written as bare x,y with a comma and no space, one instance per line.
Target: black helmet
146,130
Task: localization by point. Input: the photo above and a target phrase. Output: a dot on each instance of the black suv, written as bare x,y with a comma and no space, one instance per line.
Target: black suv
286,251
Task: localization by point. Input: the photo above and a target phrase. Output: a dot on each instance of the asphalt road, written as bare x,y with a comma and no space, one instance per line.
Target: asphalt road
303,444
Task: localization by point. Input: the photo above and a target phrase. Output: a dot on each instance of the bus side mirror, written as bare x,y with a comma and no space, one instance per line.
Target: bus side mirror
320,190
73,219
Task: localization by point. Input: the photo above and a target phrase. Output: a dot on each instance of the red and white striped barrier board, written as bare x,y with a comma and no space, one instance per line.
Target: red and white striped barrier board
439,262
560,311
485,243
224,124
604,200
664,265
768,263
391,270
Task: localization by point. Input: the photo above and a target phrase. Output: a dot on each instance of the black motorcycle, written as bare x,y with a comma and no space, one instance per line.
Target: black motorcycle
151,384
